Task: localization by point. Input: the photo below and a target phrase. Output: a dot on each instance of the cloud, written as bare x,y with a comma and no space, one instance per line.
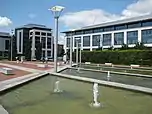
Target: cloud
87,17
4,22
32,15
140,7
96,16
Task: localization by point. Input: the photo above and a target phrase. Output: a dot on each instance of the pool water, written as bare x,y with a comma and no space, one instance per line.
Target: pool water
37,98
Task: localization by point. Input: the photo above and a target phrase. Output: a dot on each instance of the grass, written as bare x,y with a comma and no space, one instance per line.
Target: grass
37,98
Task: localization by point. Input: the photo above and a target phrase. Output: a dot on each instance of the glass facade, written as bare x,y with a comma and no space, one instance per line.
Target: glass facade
147,23
147,36
119,38
134,25
75,41
37,33
132,37
111,28
49,53
43,34
96,40
43,41
86,41
49,34
120,27
106,39
68,42
6,44
20,41
49,43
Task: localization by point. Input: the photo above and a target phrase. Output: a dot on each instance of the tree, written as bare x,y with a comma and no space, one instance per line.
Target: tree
14,49
28,50
38,51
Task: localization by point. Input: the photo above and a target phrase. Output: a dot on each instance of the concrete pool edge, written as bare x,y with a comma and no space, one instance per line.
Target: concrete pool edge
111,84
121,73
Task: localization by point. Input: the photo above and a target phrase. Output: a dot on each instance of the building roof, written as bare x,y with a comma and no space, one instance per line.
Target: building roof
4,34
30,26
117,22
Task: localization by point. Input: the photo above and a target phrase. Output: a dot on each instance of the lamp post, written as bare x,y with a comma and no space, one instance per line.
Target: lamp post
12,35
56,10
71,46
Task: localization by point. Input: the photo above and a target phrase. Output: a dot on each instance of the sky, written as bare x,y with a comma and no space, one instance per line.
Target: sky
77,13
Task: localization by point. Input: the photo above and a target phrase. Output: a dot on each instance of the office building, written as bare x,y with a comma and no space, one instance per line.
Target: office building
4,43
112,34
36,34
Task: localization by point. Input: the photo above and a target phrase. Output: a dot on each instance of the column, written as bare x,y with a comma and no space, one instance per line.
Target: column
33,46
139,36
91,43
73,42
125,37
112,39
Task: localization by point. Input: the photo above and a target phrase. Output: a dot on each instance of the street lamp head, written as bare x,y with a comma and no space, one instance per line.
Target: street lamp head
56,10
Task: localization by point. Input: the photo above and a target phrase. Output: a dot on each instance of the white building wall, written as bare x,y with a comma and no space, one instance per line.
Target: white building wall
112,41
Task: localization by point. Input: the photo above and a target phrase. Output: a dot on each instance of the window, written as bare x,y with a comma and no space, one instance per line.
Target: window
120,27
43,34
96,40
86,41
108,28
49,34
132,37
6,44
43,41
37,40
118,38
0,53
37,33
49,53
20,41
134,25
106,39
96,30
43,53
31,33
75,41
78,32
147,36
68,42
49,43
147,23
88,31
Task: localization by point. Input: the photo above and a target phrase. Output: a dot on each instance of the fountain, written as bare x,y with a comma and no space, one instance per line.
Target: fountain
57,89
95,96
108,76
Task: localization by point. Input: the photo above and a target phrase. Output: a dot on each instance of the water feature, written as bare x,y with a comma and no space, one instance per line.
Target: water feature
146,71
125,79
38,97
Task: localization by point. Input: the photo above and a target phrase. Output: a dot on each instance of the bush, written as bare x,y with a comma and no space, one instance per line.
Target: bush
127,57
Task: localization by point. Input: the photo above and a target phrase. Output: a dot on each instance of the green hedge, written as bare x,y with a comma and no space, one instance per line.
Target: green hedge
142,57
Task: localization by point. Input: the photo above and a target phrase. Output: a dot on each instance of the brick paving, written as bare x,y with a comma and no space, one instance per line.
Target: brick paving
16,73
32,65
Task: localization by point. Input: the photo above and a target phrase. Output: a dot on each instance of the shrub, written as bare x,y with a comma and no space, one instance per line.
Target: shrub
141,57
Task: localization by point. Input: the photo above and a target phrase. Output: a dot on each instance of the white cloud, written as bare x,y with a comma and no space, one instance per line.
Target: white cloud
32,15
138,8
4,22
96,16
87,17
